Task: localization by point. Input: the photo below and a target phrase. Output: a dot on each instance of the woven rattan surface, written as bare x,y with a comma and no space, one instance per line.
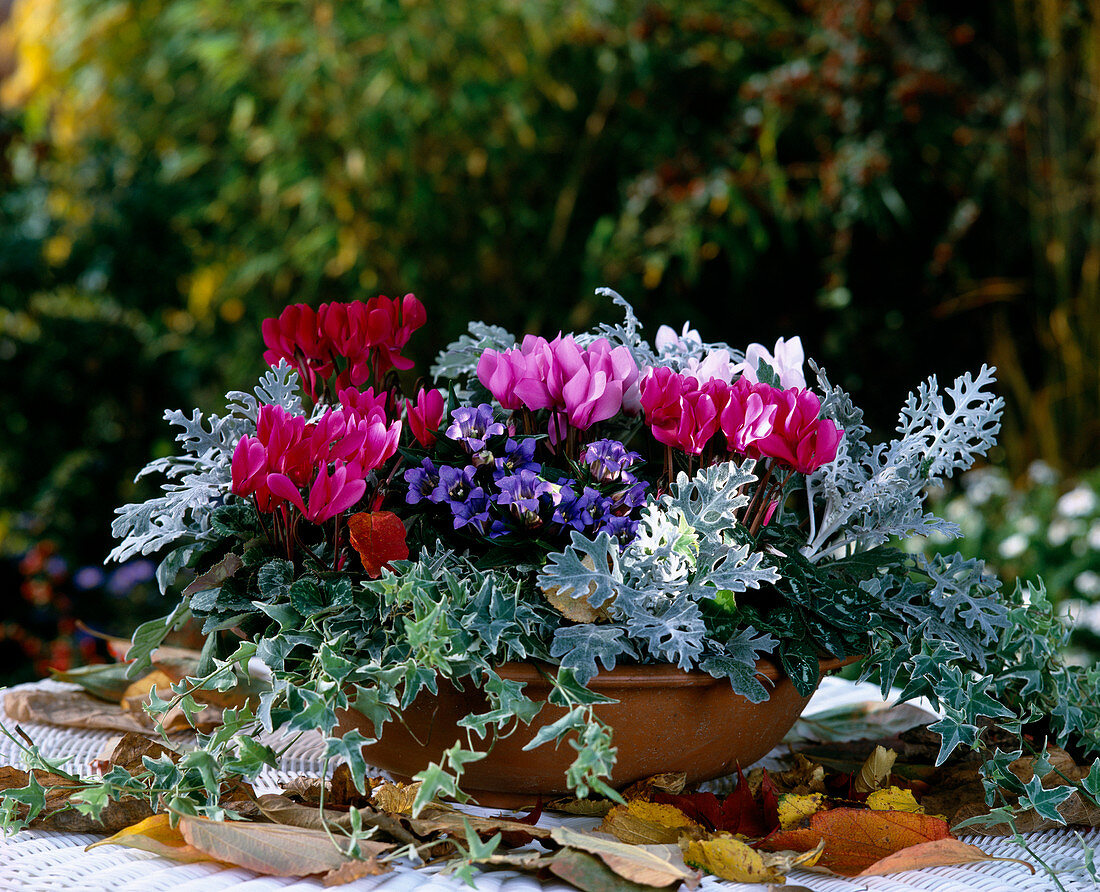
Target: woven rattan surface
46,861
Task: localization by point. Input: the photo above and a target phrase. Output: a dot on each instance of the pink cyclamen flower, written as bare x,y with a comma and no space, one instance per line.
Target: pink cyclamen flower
800,439
679,411
329,495
500,371
363,403
425,415
249,471
286,438
748,416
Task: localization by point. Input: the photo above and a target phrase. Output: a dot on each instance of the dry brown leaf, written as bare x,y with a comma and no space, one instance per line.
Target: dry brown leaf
647,823
649,865
155,834
128,751
440,818
273,849
57,814
574,606
672,782
1061,762
396,799
893,799
937,853
803,778
282,810
589,808
350,871
205,720
308,789
875,769
587,872
342,791
71,709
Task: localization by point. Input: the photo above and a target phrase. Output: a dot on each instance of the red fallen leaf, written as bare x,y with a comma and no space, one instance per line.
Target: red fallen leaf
516,838
769,802
739,812
379,537
857,838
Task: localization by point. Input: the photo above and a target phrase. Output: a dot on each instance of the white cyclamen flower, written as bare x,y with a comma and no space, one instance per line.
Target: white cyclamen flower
715,365
666,337
786,360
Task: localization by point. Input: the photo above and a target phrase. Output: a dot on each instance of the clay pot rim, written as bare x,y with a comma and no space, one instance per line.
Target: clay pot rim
662,674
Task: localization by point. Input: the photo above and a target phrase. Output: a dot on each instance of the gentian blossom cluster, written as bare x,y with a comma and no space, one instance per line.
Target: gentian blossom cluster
330,457
358,341
495,488
580,386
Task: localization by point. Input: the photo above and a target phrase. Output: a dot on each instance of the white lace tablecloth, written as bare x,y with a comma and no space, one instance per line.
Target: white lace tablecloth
44,861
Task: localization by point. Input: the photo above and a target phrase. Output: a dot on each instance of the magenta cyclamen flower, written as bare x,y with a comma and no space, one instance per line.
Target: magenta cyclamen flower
799,438
748,415
330,494
425,415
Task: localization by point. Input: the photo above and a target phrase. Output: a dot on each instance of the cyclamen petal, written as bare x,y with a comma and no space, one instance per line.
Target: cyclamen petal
283,488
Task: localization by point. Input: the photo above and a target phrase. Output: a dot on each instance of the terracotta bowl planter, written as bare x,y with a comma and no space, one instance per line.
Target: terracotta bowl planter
666,720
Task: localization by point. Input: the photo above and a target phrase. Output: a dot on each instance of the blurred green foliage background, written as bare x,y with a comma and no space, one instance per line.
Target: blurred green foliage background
910,186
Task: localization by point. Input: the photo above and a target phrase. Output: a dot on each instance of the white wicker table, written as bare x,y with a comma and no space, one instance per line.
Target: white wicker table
44,861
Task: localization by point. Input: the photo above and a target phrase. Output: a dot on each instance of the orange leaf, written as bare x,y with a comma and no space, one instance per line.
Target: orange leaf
379,537
856,838
158,836
937,853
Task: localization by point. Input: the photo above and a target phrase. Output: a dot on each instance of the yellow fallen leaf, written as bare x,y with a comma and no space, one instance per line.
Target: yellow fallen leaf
894,799
137,694
727,857
156,835
646,823
875,769
795,808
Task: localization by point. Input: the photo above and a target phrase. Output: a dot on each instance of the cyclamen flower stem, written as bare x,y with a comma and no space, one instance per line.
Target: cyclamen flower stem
757,497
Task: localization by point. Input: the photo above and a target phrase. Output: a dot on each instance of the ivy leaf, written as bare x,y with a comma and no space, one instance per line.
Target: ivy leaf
349,747
1046,801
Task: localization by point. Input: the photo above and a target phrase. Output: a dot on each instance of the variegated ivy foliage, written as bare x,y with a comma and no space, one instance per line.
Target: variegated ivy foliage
693,588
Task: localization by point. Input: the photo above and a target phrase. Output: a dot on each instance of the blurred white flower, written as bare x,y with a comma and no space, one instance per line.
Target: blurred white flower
983,484
1060,532
1013,546
1078,502
1028,524
1041,474
1088,583
1093,537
